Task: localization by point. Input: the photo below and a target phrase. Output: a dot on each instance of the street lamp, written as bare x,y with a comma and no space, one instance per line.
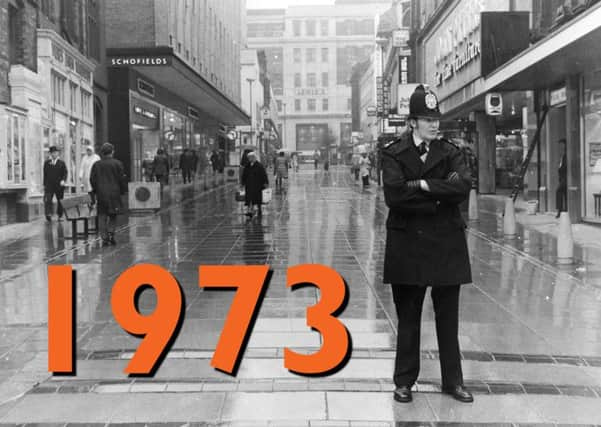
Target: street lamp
250,91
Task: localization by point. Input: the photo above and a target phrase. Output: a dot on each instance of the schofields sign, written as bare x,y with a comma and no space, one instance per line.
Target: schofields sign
129,61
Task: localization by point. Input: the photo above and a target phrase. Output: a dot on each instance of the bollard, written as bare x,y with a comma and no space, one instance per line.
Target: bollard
565,241
509,229
473,206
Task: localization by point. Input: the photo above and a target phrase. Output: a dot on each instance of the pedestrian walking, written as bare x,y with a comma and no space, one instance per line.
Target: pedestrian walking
108,184
148,167
561,195
280,170
355,169
254,180
316,159
364,169
161,168
55,177
295,162
425,179
186,165
215,161
87,162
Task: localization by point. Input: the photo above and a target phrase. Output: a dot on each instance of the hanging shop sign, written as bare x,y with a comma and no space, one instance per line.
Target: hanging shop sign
404,94
400,37
558,96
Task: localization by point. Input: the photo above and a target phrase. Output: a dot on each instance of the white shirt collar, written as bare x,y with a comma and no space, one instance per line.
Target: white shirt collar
417,141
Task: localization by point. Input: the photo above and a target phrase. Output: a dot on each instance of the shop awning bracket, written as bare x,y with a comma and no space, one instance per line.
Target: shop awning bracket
535,144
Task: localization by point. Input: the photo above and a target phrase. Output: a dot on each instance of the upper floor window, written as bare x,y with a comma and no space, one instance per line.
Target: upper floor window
296,28
311,104
297,105
324,25
310,54
297,80
311,80
297,55
324,54
310,26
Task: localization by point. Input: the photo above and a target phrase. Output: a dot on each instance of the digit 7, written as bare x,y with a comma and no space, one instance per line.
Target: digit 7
157,328
250,280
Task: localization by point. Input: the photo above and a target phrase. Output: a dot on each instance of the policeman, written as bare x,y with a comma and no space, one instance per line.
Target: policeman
425,180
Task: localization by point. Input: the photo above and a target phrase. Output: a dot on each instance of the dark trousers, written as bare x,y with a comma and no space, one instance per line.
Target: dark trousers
106,224
187,175
408,301
561,198
48,196
365,180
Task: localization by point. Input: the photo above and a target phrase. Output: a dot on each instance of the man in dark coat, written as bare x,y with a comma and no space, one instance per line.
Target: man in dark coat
186,164
108,183
425,179
161,168
55,176
254,180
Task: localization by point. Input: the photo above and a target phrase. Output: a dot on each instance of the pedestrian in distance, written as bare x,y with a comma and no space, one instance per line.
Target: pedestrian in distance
148,167
161,168
55,178
254,180
109,183
87,162
364,166
186,165
425,180
561,195
295,162
280,170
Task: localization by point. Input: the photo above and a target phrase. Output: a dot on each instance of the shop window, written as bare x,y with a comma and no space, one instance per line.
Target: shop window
15,150
591,107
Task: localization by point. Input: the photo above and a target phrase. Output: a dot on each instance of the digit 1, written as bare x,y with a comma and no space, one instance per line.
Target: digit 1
321,317
60,319
158,327
250,282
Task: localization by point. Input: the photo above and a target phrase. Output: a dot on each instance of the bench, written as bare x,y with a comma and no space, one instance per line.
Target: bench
78,209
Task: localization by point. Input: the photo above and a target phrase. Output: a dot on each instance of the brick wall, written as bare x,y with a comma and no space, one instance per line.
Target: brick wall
28,54
4,52
130,23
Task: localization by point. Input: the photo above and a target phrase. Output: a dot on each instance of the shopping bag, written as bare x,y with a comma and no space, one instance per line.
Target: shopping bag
240,196
266,196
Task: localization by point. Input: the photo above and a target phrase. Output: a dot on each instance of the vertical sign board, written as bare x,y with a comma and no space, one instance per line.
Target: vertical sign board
404,93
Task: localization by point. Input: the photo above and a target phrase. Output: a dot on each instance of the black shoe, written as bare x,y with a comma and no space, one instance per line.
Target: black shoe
459,393
403,394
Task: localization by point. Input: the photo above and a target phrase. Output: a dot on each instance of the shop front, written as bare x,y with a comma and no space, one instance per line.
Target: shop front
157,101
563,72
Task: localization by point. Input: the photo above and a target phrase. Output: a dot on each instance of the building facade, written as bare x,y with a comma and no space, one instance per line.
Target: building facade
543,65
311,51
49,51
174,77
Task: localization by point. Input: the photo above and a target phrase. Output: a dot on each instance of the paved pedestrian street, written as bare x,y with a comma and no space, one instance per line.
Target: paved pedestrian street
530,331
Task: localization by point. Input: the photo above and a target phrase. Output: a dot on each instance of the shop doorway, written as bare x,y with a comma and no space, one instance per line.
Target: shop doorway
145,141
556,159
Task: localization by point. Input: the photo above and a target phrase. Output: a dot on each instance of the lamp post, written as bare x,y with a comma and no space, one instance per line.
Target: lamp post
250,92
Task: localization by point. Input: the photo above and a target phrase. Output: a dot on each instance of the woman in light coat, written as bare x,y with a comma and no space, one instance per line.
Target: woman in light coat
87,162
364,165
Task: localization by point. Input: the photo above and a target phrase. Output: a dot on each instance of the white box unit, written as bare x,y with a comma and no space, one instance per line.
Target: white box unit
232,173
144,195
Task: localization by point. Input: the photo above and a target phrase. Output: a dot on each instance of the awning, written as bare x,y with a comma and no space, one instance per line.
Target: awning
161,65
571,49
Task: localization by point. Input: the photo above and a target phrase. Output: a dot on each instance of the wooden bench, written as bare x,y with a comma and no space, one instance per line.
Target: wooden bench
80,209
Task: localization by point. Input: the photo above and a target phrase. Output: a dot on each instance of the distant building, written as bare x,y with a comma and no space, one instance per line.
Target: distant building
310,52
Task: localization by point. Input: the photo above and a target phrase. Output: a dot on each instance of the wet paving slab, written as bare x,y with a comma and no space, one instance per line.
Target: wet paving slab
530,332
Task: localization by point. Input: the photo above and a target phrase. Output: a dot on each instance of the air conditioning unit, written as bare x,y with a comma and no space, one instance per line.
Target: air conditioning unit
232,173
144,196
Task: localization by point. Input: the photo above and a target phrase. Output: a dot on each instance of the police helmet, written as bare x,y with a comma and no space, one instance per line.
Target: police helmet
423,104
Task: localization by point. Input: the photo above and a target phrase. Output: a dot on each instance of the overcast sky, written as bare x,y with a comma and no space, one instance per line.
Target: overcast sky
281,4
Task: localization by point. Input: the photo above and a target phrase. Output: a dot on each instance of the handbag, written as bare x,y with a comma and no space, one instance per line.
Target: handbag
240,196
266,195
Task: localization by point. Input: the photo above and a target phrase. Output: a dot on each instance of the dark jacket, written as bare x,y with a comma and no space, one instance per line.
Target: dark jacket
161,165
108,183
425,242
187,161
254,180
53,175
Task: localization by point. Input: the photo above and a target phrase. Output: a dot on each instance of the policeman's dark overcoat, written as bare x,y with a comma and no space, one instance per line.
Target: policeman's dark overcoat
425,242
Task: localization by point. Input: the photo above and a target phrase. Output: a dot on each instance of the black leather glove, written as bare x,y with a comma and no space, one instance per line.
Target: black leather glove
453,177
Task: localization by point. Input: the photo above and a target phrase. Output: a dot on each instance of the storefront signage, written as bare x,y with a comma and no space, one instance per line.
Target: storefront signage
400,37
144,112
594,153
404,93
311,91
558,96
127,61
458,43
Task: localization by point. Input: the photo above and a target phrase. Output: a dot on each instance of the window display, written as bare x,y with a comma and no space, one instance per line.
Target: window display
592,145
